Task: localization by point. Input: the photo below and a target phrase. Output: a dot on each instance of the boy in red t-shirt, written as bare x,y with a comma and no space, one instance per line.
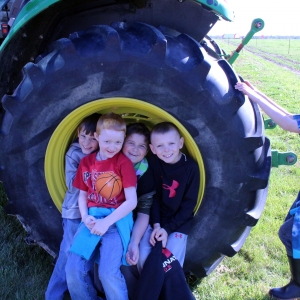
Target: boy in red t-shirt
107,219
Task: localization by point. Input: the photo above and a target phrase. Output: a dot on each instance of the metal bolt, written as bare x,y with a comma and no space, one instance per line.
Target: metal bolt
258,24
41,36
271,124
290,159
180,1
15,58
24,34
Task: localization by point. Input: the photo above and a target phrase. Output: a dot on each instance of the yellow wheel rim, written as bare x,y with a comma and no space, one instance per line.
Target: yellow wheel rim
132,110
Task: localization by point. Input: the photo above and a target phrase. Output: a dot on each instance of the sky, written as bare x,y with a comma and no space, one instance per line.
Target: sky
281,17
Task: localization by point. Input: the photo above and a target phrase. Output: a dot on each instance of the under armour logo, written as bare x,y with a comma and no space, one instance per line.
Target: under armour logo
171,188
178,235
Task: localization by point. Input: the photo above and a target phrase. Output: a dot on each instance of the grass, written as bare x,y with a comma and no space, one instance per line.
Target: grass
260,264
282,51
24,270
289,48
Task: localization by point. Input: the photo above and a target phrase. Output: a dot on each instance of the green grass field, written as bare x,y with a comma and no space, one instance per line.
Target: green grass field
260,264
289,48
285,52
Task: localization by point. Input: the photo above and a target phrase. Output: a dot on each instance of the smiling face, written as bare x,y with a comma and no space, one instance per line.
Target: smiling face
110,142
167,146
135,147
87,142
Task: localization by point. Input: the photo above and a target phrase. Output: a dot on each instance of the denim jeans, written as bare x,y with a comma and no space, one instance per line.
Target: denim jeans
78,269
57,285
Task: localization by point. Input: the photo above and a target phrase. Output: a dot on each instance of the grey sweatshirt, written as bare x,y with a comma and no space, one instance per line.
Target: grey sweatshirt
70,209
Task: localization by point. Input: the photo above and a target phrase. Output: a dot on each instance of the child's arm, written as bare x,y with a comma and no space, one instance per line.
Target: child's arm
155,211
274,111
72,161
140,226
124,209
143,208
157,234
88,220
266,97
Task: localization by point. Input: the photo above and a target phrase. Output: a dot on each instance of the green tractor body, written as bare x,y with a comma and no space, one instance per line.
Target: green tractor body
149,61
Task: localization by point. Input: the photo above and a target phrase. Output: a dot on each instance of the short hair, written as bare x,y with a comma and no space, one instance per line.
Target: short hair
164,127
89,123
111,121
138,128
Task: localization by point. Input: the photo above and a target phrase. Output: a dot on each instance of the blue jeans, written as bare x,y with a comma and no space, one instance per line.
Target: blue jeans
57,285
80,283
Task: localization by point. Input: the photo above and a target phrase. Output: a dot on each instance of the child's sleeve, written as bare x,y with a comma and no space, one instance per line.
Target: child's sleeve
155,208
297,118
78,181
188,203
71,167
145,191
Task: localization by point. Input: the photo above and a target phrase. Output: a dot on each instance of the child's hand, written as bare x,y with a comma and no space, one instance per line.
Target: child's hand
89,221
241,86
100,227
133,253
159,234
246,89
152,236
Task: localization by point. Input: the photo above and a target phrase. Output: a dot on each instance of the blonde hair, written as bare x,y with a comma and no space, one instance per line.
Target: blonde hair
111,121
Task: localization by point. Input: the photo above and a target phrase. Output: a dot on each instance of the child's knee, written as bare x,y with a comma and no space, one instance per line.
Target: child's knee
285,231
76,268
109,276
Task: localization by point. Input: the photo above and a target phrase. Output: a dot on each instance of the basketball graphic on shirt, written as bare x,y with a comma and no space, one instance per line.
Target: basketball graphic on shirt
108,185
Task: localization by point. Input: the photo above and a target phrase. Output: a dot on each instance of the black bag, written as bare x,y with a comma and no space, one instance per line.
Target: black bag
162,278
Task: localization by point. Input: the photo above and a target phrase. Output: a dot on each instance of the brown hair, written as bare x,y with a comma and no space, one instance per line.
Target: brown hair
138,128
164,127
111,121
88,124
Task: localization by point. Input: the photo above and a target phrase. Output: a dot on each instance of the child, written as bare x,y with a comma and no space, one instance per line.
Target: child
136,147
177,180
84,145
288,232
105,219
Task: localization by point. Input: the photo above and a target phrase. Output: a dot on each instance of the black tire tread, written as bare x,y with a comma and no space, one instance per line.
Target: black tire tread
146,45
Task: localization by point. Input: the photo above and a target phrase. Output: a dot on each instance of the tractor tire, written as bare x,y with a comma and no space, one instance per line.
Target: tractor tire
174,74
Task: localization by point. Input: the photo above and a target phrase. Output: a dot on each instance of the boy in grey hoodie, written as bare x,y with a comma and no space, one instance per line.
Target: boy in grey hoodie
82,146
